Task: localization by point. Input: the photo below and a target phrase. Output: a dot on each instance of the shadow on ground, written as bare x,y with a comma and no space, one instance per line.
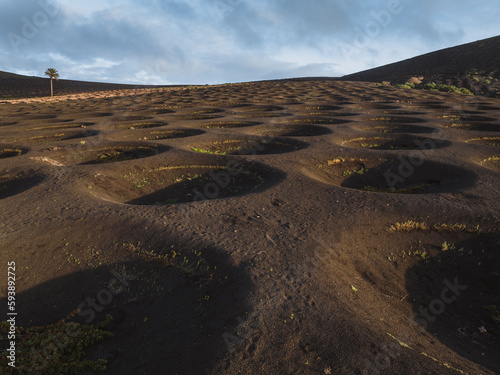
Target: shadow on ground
456,298
171,302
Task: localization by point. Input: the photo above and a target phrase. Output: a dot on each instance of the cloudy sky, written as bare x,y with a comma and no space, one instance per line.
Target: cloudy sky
218,41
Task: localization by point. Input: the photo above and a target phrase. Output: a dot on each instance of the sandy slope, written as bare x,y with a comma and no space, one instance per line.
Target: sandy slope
289,212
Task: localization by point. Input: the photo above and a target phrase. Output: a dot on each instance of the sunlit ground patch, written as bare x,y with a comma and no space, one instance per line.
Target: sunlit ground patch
60,126
260,108
455,118
389,119
229,124
488,141
492,162
322,107
312,120
475,126
427,105
263,114
196,117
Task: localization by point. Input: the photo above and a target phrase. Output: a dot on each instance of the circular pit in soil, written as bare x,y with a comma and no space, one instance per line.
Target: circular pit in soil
250,146
396,175
16,182
396,142
111,153
201,179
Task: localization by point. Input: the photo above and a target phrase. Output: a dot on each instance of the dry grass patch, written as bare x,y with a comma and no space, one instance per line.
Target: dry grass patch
396,129
250,146
229,124
10,152
489,141
313,120
412,226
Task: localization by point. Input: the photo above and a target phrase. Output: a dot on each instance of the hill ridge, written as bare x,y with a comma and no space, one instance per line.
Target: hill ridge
472,65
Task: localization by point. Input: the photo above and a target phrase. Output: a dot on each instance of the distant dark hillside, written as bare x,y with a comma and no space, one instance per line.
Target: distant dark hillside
4,75
19,86
475,66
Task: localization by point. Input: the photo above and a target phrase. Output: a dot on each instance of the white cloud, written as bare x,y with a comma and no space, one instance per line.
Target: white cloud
99,63
198,41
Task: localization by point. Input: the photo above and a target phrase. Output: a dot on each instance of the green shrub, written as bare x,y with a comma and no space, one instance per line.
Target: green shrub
406,86
434,87
466,91
429,86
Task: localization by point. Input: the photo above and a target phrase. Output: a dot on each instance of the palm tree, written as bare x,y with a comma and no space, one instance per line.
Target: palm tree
52,73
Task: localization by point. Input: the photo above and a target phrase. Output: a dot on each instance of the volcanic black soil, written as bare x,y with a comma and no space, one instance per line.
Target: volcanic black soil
281,227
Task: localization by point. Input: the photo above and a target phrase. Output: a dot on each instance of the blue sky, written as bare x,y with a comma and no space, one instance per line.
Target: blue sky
219,41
